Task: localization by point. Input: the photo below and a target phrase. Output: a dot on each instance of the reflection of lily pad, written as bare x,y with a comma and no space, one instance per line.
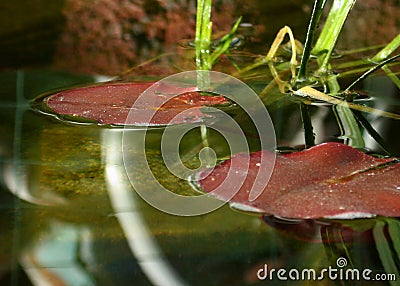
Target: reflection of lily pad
328,180
332,231
111,103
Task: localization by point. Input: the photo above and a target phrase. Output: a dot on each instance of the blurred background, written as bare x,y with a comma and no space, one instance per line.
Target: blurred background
110,36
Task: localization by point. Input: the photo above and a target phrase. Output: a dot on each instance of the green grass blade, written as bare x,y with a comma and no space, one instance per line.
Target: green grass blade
349,127
392,76
387,50
206,29
384,53
330,33
370,71
315,16
224,44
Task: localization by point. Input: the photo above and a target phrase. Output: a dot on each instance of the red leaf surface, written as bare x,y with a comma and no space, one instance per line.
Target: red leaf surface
331,180
111,104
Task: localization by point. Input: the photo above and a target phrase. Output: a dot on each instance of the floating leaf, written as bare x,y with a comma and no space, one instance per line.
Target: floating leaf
331,180
111,104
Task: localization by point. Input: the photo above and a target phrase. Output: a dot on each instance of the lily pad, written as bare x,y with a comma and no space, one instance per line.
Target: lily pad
331,180
111,104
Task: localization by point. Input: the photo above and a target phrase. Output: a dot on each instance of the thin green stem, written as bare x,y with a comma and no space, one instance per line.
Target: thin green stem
352,64
315,16
392,76
204,58
350,131
371,70
363,70
387,50
202,42
361,50
384,53
224,44
203,34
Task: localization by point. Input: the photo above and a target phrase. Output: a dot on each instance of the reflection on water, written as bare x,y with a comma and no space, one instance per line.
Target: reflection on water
74,219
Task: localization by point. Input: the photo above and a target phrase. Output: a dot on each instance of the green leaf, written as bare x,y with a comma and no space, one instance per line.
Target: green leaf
330,33
224,44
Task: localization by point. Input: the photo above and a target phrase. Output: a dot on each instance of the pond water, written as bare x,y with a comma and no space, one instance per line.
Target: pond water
63,221
69,215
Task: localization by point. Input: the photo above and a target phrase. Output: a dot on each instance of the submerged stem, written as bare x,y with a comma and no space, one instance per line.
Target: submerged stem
350,131
374,134
307,125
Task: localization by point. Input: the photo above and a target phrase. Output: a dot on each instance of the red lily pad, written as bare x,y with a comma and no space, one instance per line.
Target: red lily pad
331,180
112,103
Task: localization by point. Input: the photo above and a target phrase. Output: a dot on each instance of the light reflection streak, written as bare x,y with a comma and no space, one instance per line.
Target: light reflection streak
139,238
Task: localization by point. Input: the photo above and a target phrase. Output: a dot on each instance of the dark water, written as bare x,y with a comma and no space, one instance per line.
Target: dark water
109,37
60,224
